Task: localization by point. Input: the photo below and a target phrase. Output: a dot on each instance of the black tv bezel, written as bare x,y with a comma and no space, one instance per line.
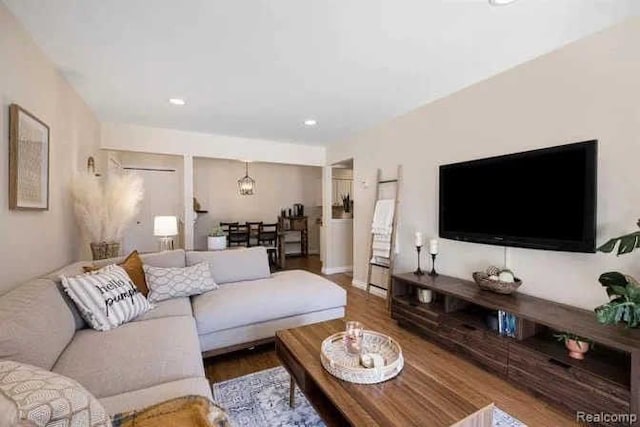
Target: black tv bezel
587,245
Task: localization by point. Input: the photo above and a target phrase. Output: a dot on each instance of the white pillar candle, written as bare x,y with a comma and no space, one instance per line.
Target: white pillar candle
418,239
433,246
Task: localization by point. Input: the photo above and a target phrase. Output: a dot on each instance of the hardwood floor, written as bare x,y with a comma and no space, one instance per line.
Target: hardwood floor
371,311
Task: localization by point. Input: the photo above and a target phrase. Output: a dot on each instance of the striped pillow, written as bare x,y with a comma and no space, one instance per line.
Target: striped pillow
106,298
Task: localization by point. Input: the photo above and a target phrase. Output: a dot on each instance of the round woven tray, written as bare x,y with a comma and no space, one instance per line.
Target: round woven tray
341,364
483,281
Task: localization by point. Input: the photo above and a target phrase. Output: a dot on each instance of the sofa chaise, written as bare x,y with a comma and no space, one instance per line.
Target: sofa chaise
158,356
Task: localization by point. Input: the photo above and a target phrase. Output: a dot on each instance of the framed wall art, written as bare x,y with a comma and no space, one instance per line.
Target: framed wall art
28,160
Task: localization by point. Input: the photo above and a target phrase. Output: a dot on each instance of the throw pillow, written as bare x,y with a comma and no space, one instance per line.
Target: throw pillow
32,396
188,411
132,264
106,298
174,282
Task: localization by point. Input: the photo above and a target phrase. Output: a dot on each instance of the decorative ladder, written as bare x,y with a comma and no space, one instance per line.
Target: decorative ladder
380,185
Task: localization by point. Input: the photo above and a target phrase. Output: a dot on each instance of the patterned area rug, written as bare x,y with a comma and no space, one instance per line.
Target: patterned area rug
262,400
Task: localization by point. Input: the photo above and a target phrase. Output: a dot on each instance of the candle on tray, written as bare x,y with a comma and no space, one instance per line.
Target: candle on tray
418,239
433,246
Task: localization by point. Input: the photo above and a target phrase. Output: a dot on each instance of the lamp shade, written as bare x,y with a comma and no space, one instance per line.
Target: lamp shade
165,226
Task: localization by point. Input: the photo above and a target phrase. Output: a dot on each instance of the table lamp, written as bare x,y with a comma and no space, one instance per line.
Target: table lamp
165,227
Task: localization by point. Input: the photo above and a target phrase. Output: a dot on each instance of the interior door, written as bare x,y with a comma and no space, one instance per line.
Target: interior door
162,196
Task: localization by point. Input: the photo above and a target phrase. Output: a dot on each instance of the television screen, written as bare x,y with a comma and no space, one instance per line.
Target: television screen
543,199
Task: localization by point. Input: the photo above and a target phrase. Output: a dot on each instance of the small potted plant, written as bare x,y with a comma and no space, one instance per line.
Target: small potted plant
576,345
217,240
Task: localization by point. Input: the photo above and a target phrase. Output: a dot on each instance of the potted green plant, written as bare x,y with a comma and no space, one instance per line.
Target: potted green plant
623,290
346,203
217,240
576,345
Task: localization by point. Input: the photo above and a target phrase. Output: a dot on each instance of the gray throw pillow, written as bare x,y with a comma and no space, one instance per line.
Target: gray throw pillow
175,282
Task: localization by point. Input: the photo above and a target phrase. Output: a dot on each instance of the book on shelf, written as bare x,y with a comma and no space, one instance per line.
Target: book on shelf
507,324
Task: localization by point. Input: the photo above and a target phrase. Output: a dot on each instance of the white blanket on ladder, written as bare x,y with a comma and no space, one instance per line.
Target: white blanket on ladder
382,227
383,217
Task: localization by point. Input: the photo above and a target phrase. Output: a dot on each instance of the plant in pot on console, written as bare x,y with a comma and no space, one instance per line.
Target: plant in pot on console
104,208
217,240
623,290
576,345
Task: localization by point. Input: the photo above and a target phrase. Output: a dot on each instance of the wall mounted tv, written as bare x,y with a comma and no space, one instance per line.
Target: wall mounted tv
541,199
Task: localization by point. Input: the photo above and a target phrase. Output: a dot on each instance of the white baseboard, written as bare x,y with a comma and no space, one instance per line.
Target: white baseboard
336,270
373,290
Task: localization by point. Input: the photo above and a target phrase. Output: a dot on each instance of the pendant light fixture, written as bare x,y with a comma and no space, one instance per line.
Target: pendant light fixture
246,184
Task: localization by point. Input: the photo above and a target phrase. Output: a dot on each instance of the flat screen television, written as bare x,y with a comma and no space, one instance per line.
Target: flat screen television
541,199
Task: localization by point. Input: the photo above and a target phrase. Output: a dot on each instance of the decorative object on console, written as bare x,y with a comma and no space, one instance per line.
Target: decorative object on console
106,298
433,250
425,296
217,239
494,284
165,227
623,290
175,282
31,396
246,184
105,208
28,161
348,366
576,345
418,242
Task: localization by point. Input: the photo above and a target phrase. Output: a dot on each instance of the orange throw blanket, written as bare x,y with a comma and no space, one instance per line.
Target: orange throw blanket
188,411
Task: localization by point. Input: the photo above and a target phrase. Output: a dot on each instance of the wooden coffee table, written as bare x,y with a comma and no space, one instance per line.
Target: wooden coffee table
415,397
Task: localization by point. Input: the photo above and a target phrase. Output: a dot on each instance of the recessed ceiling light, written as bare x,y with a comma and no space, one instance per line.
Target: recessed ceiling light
176,101
500,2
310,122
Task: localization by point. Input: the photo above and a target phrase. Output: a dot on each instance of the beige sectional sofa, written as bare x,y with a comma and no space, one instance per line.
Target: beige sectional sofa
158,356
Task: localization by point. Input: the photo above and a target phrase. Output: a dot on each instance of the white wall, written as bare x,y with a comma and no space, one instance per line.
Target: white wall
163,195
168,141
35,242
589,89
278,187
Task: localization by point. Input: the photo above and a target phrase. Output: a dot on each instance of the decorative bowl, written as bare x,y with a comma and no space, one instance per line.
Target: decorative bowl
482,280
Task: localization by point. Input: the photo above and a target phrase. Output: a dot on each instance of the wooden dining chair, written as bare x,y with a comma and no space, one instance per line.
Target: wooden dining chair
226,229
254,230
268,237
238,235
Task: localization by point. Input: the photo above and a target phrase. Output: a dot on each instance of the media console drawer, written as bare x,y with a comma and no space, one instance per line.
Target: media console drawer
483,346
575,388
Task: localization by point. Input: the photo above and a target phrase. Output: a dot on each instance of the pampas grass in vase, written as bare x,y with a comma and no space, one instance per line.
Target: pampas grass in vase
104,208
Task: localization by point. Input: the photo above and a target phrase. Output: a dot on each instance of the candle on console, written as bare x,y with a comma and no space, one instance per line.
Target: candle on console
433,246
418,239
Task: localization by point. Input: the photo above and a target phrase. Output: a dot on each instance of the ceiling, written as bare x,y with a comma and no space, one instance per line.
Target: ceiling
259,68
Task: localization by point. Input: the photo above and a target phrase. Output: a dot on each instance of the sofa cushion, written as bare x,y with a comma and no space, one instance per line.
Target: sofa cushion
43,398
138,399
134,356
167,308
176,282
175,258
284,294
158,259
106,298
35,324
234,265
